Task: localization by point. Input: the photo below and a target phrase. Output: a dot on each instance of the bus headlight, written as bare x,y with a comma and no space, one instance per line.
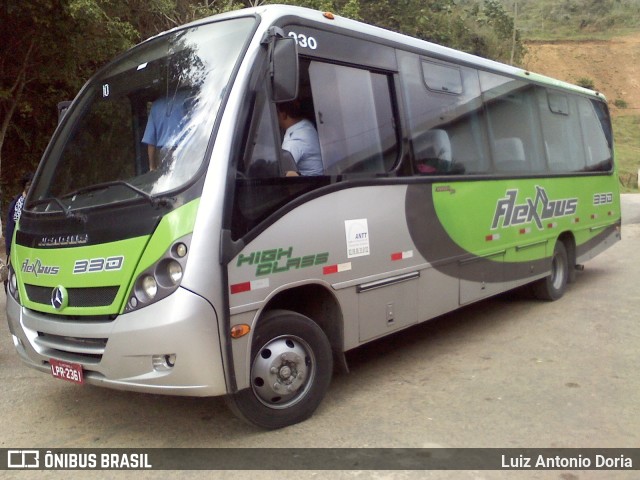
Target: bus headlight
174,269
169,273
149,287
162,278
12,284
180,249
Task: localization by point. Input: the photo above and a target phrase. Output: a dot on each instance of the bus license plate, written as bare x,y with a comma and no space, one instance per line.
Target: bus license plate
72,372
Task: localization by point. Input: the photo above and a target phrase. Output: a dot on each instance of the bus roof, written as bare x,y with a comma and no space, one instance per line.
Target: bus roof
270,14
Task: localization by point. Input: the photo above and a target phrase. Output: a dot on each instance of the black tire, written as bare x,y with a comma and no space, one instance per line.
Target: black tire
553,286
291,367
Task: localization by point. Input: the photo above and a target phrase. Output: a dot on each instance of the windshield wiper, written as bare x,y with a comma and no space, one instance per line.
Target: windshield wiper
156,202
68,213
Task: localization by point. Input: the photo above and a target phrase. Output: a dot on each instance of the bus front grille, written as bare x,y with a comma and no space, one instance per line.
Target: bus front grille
74,349
78,297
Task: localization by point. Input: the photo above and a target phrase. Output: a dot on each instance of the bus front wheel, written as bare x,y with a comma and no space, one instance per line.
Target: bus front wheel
291,366
554,285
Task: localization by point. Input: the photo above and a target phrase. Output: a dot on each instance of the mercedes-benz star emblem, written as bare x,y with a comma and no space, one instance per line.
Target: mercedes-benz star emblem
59,298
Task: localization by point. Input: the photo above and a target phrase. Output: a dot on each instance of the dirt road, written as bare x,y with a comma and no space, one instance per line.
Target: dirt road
507,372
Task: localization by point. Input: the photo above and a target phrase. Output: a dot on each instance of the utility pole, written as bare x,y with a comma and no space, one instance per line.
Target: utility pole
513,40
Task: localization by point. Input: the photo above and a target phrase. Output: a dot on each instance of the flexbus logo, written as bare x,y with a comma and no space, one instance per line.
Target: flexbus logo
533,210
37,268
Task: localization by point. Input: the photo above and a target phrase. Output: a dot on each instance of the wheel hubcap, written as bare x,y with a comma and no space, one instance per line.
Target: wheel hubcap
282,371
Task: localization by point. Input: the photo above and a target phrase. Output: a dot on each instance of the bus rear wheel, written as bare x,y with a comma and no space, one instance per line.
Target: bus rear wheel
553,286
291,367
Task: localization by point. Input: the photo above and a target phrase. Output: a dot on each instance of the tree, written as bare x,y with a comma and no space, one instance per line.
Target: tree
345,8
481,28
51,47
21,57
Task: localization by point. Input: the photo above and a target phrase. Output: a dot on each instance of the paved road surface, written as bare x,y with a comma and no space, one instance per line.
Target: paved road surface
507,372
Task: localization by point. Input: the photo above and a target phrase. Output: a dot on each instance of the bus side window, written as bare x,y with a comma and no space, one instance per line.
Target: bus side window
300,146
432,151
264,155
513,123
261,185
559,121
260,156
355,119
597,144
446,120
509,155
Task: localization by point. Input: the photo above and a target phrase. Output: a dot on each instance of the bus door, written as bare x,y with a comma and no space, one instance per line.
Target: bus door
351,83
347,91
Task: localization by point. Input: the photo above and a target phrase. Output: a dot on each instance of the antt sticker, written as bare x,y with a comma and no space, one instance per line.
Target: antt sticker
357,234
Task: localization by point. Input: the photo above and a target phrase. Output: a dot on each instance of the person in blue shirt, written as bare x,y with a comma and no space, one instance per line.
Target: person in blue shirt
300,139
167,119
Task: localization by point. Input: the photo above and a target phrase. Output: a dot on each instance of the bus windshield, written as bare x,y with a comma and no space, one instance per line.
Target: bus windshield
141,127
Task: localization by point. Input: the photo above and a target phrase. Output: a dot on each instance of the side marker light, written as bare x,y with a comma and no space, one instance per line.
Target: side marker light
241,330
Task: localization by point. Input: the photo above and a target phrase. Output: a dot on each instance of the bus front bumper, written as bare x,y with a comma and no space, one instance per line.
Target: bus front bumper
171,347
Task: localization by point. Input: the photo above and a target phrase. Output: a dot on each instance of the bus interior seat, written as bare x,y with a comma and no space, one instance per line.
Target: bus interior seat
362,163
432,151
555,158
509,155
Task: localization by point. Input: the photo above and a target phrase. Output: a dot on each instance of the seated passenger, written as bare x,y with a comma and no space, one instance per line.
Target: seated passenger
300,139
433,152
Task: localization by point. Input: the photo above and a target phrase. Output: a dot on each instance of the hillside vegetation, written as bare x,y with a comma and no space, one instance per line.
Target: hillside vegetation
627,136
574,19
49,48
611,67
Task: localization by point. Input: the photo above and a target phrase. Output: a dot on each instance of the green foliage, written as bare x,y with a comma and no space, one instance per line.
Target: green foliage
626,130
503,36
34,66
574,18
620,103
345,8
482,28
495,15
49,51
68,40
586,82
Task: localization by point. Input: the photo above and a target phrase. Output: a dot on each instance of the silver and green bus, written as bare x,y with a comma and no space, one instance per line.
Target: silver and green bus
211,265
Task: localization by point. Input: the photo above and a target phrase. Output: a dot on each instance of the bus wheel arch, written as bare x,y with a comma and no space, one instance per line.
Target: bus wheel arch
290,371
562,271
320,305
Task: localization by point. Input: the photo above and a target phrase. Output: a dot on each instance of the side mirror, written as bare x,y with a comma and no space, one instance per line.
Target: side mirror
284,70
